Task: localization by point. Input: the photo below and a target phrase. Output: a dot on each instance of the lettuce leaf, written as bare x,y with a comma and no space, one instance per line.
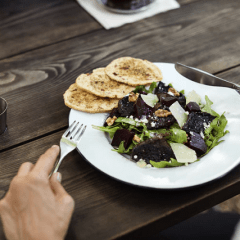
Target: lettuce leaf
142,88
163,164
207,107
109,129
215,132
177,135
121,148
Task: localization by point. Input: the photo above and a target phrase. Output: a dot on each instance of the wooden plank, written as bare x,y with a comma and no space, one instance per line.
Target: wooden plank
33,83
26,25
109,209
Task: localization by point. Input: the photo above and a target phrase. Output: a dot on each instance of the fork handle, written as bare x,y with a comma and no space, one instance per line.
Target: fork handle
57,165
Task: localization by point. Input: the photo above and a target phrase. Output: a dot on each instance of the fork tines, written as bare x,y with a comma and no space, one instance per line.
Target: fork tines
72,132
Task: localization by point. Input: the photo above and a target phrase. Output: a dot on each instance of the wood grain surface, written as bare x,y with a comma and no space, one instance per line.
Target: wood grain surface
45,45
33,83
58,20
105,203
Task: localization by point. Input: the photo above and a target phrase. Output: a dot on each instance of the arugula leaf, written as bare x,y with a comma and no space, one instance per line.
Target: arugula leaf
142,88
215,132
132,122
163,164
207,107
152,87
177,136
121,148
109,129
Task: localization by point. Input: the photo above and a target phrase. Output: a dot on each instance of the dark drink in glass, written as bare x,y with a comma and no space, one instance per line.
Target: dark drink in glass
128,4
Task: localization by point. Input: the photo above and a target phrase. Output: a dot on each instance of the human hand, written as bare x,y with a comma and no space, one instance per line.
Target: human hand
36,207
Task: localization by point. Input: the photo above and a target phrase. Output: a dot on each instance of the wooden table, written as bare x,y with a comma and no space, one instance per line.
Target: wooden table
45,45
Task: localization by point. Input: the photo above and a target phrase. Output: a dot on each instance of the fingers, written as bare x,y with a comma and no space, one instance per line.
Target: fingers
25,168
46,162
62,196
55,182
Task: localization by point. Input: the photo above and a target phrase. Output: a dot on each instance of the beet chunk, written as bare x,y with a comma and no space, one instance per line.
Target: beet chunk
122,135
161,88
125,108
141,109
193,107
160,122
196,142
166,99
182,100
196,120
156,149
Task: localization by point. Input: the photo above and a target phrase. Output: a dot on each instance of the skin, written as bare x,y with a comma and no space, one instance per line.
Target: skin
36,207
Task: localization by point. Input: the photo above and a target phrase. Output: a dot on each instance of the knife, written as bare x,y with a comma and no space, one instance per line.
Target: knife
202,77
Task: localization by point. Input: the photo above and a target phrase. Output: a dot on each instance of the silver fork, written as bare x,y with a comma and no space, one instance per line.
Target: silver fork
69,141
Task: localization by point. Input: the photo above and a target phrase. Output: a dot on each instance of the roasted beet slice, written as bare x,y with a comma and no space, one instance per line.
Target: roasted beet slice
166,99
161,88
196,142
142,109
160,122
125,108
193,107
122,135
156,149
196,120
182,100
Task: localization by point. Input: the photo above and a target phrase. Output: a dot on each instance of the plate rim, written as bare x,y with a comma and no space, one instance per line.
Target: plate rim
165,187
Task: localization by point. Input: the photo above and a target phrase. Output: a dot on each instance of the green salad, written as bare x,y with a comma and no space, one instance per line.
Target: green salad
161,127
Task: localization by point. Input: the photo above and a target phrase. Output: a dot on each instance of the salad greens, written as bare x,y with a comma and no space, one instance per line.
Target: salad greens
173,134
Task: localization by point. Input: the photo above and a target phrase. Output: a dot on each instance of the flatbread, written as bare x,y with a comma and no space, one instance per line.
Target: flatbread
133,71
100,84
79,99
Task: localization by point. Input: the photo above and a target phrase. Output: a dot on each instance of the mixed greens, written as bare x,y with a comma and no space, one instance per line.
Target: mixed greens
161,127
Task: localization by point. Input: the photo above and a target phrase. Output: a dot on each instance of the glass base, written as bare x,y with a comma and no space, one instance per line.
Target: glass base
126,6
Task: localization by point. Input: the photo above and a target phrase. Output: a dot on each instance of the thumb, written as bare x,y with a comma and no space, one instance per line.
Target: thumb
55,182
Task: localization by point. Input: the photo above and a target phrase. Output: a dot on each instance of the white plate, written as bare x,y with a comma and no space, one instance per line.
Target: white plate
95,147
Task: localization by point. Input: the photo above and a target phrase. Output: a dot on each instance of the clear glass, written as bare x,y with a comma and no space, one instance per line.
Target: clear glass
3,115
126,6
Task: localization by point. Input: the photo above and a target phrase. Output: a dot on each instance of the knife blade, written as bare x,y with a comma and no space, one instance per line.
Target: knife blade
203,77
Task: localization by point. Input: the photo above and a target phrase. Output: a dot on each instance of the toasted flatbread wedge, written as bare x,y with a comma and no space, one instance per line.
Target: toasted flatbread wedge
100,84
79,99
133,71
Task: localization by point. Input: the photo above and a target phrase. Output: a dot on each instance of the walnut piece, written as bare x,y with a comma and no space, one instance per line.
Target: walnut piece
110,121
136,138
133,97
162,113
174,91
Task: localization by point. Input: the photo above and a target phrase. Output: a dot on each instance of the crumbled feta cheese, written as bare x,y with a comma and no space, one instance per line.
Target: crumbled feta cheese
141,163
131,117
135,156
171,93
153,124
202,135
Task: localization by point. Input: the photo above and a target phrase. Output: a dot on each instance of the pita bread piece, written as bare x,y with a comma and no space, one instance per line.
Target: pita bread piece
100,84
133,71
78,99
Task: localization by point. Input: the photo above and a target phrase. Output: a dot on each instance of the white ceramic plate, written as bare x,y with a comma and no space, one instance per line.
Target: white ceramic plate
96,148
